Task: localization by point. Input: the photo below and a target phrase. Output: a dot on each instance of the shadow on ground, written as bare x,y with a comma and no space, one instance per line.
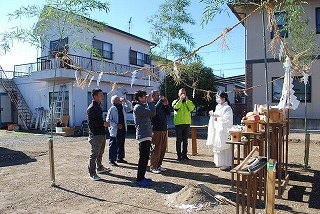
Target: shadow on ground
303,179
10,157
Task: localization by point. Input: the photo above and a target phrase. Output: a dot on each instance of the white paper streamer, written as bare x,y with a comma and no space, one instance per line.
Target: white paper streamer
133,78
175,69
90,81
99,78
288,99
76,75
245,93
281,52
193,92
305,78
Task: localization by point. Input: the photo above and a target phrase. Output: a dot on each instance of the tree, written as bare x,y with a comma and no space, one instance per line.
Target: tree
168,30
194,74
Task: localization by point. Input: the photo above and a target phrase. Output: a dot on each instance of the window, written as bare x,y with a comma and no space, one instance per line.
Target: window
298,87
58,46
103,104
281,21
136,58
104,49
147,59
318,19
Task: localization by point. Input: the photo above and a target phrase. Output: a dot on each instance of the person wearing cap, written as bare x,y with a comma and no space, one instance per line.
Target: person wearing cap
182,120
118,127
221,120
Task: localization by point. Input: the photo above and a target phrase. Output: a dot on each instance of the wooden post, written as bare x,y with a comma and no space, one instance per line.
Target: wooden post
306,150
194,140
271,167
51,159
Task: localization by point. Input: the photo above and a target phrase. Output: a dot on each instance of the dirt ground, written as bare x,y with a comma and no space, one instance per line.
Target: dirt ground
25,179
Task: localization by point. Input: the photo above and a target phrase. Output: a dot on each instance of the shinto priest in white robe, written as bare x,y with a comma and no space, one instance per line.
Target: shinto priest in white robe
221,120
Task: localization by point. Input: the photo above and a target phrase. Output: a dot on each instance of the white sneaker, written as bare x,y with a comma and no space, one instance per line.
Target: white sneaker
161,169
155,171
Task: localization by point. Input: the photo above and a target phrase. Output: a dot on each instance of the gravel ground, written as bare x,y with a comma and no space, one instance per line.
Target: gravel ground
25,178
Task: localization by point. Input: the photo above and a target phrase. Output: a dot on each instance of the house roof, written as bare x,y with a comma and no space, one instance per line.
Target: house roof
111,28
239,7
129,34
230,80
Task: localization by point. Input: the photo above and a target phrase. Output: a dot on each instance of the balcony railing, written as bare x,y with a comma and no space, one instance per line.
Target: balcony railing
49,63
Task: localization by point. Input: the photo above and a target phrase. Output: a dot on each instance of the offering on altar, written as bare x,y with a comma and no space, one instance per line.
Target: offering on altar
275,114
235,133
251,121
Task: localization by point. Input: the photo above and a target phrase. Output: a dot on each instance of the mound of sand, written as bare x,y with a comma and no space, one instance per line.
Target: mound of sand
193,197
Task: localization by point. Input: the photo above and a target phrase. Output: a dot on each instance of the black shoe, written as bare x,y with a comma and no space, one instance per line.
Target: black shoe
185,158
179,158
122,161
225,168
103,169
112,163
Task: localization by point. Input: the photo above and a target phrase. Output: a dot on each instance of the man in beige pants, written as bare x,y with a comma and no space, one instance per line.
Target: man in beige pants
160,137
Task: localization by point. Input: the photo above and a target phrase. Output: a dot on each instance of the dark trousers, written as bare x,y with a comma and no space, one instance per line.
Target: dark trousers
182,134
121,137
144,148
116,146
98,144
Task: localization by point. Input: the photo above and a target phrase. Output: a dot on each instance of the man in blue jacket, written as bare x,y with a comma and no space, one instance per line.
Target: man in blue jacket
118,128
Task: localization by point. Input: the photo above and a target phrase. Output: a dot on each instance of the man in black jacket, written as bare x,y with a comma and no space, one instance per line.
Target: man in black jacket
97,135
159,137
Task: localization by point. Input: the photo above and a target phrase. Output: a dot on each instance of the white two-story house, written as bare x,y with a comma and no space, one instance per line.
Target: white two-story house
255,67
122,53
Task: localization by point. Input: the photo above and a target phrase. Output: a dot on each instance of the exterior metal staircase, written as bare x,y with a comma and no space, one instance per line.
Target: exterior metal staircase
18,101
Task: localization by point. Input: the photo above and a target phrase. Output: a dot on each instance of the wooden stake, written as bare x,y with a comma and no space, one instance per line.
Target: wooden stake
51,160
306,150
271,186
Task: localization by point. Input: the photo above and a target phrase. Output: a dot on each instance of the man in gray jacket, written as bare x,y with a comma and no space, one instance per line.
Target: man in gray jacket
118,128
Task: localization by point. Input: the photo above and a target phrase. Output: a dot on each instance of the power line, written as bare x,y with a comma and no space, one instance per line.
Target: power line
227,63
234,49
228,69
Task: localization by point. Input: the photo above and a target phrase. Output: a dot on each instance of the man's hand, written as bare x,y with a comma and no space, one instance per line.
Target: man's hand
123,99
165,101
149,98
119,126
106,124
182,97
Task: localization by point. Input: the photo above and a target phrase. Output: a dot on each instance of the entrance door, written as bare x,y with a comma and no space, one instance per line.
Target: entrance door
5,109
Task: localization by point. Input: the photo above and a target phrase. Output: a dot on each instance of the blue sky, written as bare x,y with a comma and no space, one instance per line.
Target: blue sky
229,62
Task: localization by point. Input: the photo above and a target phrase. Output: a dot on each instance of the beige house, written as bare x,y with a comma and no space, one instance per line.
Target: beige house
255,66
